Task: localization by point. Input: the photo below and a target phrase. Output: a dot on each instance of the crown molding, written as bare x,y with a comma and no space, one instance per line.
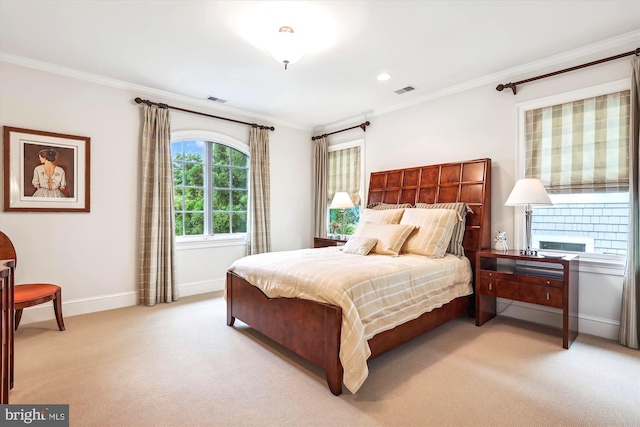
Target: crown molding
165,95
605,45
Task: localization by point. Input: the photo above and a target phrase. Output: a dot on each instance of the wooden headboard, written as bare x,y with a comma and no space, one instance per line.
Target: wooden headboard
468,181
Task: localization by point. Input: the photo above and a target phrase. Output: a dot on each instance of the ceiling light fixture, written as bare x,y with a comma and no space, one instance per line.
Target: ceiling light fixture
287,47
384,76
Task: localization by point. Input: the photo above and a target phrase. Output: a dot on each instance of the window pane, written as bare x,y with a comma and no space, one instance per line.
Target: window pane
194,224
240,199
176,150
193,175
221,177
221,154
239,178
351,219
178,198
194,151
239,223
194,199
221,200
221,223
178,170
178,225
238,158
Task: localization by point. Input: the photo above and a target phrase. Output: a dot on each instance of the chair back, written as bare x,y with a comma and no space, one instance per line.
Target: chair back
7,251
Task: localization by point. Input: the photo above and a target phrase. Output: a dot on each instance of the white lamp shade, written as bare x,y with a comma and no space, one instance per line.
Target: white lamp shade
341,200
528,191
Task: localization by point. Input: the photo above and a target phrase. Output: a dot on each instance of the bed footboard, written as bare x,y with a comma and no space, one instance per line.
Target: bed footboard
309,329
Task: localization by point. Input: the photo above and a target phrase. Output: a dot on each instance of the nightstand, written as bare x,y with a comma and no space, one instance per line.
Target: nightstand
323,242
552,282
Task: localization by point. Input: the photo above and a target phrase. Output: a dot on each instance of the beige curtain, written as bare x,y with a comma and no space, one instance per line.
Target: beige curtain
156,279
320,174
344,173
629,319
259,232
572,149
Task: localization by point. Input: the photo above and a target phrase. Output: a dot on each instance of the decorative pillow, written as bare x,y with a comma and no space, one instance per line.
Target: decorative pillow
359,245
390,237
388,216
455,245
384,206
435,227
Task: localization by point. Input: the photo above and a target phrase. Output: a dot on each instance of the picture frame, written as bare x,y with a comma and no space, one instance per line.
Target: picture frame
45,171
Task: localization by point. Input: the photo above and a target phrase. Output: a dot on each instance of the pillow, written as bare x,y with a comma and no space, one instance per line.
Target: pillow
390,237
359,245
383,206
455,245
435,227
387,216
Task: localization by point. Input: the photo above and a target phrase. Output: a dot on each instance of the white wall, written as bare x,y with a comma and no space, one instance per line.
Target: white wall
94,255
482,122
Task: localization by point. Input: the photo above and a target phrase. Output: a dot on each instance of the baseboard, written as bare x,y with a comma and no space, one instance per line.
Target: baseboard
605,328
43,312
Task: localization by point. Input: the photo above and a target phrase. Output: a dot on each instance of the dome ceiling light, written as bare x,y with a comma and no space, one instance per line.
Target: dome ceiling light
287,47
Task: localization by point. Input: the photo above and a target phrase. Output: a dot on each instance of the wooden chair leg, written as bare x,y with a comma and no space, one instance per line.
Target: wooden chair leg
18,317
57,309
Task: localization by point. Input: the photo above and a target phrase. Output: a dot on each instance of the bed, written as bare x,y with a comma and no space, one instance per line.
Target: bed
314,329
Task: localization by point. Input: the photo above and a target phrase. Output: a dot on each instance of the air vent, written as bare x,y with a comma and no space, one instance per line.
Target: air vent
405,90
220,100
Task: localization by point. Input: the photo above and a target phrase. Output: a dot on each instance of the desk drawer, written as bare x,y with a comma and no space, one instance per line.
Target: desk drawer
534,294
523,278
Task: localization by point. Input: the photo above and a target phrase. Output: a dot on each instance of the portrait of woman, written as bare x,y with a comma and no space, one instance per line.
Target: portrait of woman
49,179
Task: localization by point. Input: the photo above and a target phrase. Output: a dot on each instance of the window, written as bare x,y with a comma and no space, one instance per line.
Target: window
578,145
210,187
345,174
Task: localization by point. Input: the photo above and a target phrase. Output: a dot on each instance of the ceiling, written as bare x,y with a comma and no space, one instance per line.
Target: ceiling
199,49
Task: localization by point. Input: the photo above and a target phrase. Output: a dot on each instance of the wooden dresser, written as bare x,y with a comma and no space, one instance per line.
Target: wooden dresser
552,282
6,321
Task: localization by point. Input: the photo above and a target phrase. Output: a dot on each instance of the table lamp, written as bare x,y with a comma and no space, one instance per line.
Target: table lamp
528,192
342,201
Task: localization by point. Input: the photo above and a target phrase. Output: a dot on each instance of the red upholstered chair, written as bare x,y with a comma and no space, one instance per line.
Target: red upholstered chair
27,295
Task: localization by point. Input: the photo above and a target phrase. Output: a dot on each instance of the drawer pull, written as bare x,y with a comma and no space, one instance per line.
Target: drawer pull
548,282
547,296
490,286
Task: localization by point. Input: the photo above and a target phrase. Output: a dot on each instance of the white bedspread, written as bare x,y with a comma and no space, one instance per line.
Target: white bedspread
376,292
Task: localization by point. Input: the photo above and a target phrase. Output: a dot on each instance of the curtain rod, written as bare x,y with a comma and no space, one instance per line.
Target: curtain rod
512,86
158,104
362,126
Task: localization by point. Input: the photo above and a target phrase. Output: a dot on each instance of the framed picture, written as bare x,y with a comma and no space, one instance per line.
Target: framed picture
45,171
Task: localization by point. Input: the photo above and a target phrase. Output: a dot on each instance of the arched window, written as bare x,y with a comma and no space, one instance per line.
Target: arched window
211,179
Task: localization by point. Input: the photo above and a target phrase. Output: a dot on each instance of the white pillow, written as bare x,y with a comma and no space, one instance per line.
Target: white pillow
386,216
390,237
434,230
359,245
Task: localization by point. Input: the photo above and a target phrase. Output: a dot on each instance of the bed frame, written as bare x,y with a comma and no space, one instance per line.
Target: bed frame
312,329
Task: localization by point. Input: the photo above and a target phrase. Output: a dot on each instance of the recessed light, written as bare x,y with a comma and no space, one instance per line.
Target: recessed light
384,76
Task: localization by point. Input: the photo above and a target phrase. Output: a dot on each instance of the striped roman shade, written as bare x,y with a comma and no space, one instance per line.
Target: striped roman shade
580,146
344,173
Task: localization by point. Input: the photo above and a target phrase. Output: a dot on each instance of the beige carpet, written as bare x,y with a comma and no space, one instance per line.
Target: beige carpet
180,365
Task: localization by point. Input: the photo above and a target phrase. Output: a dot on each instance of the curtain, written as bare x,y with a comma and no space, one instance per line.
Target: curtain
156,258
344,173
320,174
580,146
259,232
629,319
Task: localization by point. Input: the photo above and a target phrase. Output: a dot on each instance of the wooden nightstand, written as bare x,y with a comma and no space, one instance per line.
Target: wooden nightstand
323,242
534,279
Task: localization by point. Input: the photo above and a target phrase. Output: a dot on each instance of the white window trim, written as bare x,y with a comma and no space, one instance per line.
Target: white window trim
219,240
588,262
